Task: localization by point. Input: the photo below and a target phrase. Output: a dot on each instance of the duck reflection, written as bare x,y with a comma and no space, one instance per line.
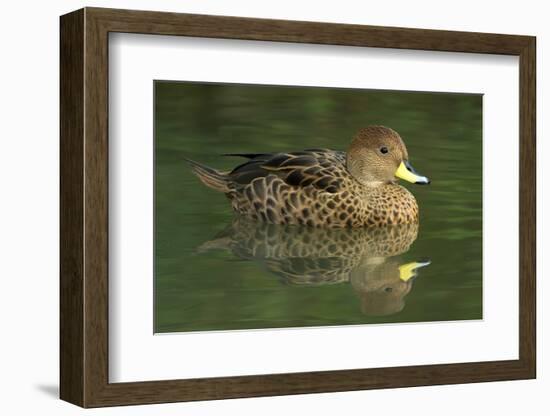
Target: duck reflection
367,258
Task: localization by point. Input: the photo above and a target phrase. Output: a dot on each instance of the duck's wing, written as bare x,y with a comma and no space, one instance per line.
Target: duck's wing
321,168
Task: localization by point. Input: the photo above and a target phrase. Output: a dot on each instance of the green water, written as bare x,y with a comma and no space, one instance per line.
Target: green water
213,272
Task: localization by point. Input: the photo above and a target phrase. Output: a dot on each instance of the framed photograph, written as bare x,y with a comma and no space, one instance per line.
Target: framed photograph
255,207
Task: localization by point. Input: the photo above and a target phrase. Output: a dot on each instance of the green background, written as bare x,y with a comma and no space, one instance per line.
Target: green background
217,290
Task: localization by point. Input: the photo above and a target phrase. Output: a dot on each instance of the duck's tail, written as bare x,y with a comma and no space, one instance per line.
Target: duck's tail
210,177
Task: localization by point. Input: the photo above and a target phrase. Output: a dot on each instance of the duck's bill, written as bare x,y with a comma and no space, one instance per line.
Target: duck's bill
408,271
406,172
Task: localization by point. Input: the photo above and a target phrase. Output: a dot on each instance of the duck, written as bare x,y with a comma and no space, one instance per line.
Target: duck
323,187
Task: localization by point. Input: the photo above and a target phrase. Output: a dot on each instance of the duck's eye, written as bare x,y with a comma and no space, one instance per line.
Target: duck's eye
384,150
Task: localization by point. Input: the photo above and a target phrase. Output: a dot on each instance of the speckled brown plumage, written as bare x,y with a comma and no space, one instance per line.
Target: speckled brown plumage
321,187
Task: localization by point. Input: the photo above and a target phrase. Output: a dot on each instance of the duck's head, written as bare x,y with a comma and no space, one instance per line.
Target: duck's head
377,155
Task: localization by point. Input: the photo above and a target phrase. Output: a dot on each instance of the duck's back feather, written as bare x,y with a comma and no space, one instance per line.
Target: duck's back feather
321,168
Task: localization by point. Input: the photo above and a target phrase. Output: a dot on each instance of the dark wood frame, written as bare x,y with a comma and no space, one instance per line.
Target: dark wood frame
84,207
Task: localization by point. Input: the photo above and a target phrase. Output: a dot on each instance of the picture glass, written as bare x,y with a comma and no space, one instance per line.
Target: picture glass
280,206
